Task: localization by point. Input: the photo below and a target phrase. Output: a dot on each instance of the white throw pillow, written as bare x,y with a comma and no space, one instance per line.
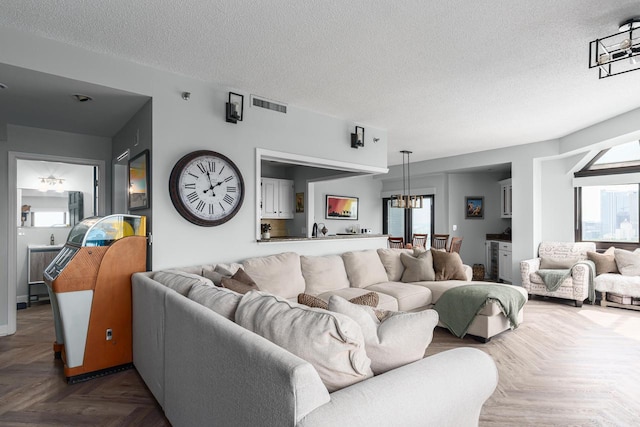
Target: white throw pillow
277,274
399,339
331,342
390,259
628,262
221,300
364,268
323,273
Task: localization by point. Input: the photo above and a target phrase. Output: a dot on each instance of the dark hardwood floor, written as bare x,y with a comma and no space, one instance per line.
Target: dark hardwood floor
564,366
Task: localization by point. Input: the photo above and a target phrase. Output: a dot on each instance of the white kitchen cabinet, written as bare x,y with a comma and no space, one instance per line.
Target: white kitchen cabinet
505,264
506,194
277,198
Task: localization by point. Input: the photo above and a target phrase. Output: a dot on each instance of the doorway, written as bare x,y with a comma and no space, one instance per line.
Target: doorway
15,216
405,223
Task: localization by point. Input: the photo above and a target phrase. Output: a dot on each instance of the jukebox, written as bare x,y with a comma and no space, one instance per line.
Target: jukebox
89,284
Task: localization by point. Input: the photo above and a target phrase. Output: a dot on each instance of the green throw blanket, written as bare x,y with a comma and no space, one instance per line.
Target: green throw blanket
553,278
458,306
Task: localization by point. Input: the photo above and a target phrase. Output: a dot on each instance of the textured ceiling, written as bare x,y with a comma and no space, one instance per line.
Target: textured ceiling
444,77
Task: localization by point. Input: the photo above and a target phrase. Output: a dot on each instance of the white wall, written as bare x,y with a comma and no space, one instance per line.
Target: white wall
369,204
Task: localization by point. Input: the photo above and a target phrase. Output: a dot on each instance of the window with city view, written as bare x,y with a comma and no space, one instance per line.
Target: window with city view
609,213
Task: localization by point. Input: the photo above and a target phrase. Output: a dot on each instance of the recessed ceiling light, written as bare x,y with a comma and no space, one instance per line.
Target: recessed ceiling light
82,98
3,86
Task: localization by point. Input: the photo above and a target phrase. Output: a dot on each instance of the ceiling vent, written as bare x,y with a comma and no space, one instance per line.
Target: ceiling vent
269,105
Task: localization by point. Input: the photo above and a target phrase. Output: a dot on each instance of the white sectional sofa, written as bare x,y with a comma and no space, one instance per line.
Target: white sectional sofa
205,369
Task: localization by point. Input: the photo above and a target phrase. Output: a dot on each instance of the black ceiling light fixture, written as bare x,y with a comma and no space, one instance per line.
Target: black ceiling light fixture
618,53
406,200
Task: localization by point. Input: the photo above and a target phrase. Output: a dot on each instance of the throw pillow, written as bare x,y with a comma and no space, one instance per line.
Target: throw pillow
605,262
216,274
417,268
364,268
331,342
323,273
278,274
240,282
399,339
557,263
390,258
222,301
370,298
628,262
448,265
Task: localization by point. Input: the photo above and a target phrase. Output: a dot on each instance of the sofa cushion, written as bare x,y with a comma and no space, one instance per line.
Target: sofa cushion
364,268
180,281
277,274
557,263
386,302
605,262
222,301
370,298
399,339
628,262
216,272
331,342
408,295
448,266
240,282
418,268
323,273
390,258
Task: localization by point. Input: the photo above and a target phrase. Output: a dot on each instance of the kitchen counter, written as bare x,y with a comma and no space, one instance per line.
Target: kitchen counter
321,238
499,237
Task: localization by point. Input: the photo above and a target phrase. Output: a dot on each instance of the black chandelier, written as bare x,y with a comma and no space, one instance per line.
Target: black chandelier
406,200
617,53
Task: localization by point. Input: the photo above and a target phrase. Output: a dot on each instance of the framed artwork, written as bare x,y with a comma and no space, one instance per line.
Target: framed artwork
339,207
474,207
139,181
299,202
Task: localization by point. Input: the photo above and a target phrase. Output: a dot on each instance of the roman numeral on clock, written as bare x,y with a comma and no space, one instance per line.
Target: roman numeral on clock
192,197
191,186
212,166
231,189
221,169
222,207
202,169
200,206
195,176
211,209
227,198
227,179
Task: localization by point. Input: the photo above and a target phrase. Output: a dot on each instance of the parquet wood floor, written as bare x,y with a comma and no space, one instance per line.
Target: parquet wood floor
563,366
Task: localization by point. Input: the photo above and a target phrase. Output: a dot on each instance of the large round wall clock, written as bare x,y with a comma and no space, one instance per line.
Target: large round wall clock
206,188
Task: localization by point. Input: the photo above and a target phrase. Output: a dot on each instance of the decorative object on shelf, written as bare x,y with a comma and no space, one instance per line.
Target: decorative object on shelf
206,188
299,202
339,207
618,53
51,183
235,108
186,96
139,181
406,200
265,230
324,230
357,138
474,207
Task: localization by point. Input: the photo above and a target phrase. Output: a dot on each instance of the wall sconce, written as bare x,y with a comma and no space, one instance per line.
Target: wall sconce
235,108
357,139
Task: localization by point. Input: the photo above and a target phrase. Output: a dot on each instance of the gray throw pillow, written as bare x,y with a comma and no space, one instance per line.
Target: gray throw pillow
417,268
628,262
448,265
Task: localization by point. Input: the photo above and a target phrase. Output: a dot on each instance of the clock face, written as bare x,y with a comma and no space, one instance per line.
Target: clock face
206,188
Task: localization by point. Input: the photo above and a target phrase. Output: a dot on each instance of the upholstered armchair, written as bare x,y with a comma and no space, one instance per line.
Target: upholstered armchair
560,255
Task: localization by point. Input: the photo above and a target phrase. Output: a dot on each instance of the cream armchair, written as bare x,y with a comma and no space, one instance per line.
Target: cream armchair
576,286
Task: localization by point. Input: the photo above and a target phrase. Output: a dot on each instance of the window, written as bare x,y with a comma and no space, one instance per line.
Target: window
399,222
609,213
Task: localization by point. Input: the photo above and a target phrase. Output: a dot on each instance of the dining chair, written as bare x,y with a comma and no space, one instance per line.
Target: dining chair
420,240
439,241
456,244
396,242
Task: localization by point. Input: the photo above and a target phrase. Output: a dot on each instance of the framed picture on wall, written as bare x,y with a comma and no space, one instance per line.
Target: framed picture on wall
340,207
474,207
299,202
139,181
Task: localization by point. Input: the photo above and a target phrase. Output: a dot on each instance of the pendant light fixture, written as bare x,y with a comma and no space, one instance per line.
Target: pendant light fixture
406,200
